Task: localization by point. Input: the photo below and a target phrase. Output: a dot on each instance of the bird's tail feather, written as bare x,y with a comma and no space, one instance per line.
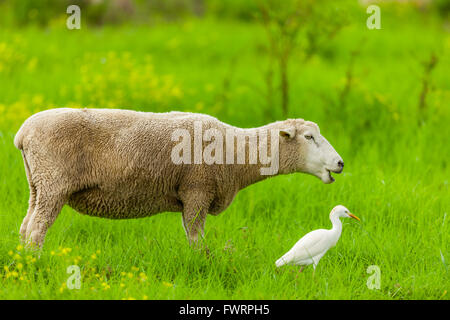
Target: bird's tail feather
280,262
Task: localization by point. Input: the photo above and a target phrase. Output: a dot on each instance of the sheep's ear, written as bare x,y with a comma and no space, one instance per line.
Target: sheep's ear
288,133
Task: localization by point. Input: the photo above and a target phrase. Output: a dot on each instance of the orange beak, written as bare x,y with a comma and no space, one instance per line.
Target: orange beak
354,217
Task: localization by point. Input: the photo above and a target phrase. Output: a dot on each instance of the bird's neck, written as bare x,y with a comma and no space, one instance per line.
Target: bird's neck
337,226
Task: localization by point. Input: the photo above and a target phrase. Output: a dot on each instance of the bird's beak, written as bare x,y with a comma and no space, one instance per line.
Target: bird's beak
354,217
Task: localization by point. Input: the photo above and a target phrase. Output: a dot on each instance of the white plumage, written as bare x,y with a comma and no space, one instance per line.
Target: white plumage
312,247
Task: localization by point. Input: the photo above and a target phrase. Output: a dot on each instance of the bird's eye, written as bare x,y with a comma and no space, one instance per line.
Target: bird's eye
309,137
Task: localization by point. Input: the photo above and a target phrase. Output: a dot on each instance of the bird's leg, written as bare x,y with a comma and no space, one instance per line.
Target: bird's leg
299,271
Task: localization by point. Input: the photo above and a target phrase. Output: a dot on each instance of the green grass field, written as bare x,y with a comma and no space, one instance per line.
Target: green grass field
396,176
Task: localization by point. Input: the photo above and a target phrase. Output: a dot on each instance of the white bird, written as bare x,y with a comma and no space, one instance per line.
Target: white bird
312,247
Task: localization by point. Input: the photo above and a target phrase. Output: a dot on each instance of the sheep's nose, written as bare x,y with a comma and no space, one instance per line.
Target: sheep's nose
340,166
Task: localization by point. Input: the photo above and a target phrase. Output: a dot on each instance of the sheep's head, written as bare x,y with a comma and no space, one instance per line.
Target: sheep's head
304,149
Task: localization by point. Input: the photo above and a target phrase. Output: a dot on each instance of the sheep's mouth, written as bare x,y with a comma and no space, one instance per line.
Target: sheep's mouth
327,177
330,177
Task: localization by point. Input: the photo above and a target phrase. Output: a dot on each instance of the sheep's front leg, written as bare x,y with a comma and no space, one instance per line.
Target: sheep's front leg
195,209
194,224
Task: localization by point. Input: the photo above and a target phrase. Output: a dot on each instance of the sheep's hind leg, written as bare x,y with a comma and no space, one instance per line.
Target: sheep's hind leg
26,220
31,201
47,208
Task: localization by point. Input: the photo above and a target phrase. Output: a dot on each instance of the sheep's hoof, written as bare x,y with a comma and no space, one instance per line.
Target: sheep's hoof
201,247
207,252
33,242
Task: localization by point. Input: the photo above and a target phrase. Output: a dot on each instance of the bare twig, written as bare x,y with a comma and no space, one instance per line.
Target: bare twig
348,77
429,66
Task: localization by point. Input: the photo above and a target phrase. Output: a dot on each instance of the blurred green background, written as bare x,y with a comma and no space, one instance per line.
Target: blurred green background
381,97
246,62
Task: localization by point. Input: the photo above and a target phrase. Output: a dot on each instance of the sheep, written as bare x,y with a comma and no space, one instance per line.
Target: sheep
123,164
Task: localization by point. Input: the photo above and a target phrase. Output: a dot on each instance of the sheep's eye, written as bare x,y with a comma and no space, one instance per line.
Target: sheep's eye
309,137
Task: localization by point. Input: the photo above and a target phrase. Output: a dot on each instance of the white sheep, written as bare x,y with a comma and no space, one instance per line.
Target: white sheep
125,164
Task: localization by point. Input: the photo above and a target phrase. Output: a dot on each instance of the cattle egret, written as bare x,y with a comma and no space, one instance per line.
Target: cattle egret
312,247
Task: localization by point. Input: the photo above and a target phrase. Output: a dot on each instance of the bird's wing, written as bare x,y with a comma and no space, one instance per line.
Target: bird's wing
311,245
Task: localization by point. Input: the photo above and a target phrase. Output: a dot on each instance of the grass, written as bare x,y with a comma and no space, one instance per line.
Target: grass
395,178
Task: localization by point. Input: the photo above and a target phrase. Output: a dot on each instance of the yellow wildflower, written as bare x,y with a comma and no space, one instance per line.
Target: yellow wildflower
17,257
105,286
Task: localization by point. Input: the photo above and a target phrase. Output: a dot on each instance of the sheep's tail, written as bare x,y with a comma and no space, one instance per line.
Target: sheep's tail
18,139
